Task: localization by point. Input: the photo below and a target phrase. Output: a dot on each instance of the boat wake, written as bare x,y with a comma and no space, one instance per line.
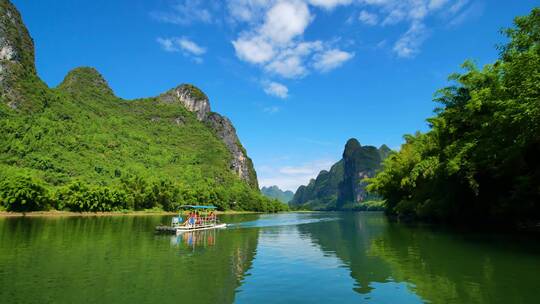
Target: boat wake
281,220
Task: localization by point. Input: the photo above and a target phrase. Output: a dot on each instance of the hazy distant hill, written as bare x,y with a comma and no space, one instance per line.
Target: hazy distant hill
342,186
275,192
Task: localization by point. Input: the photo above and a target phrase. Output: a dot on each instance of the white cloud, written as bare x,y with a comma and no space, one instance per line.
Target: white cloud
167,44
253,49
331,59
409,43
282,23
394,17
287,66
474,10
290,62
368,18
329,4
291,177
271,34
436,4
415,14
247,10
185,12
182,44
458,5
190,46
275,42
418,11
285,21
276,89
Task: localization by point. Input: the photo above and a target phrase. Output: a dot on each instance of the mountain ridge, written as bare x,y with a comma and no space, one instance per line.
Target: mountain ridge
79,138
342,187
277,193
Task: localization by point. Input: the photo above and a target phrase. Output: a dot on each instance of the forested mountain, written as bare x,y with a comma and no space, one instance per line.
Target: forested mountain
80,147
275,192
342,187
480,162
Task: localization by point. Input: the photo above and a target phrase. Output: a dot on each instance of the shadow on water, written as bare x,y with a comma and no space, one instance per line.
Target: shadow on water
440,266
350,239
284,258
118,260
452,267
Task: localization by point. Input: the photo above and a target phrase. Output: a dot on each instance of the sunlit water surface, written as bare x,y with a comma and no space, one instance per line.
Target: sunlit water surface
283,258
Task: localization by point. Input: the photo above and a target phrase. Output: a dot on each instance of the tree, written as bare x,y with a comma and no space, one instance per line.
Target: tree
480,160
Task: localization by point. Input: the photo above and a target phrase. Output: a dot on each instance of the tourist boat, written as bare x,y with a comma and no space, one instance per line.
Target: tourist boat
192,218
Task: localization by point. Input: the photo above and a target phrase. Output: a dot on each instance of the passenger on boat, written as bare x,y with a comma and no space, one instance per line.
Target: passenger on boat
198,217
191,218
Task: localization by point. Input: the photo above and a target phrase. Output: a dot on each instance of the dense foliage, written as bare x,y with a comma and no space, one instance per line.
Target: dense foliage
22,193
91,151
480,162
79,147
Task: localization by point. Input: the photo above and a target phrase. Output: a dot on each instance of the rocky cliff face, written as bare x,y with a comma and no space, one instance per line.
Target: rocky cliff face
16,55
191,97
22,90
359,162
240,162
343,185
16,45
197,102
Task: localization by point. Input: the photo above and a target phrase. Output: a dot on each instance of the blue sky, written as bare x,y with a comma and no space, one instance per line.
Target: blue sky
297,77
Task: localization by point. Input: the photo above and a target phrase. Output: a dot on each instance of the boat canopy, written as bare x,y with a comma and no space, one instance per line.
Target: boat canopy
198,207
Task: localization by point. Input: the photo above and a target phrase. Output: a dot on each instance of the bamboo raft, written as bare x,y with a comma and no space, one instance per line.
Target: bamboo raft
193,223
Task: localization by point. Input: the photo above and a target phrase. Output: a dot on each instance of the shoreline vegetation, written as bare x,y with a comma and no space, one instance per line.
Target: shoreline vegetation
479,162
150,212
25,194
57,213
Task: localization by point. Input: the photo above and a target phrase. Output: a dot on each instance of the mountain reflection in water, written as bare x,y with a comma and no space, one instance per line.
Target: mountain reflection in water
279,258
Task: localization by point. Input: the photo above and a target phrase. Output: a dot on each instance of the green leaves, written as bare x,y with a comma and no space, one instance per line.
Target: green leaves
22,193
481,159
92,151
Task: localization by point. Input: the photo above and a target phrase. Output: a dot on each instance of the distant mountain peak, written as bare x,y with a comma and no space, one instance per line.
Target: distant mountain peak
384,151
351,145
277,193
384,147
342,186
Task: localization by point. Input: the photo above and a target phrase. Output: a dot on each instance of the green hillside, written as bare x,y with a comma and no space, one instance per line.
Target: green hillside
79,147
275,192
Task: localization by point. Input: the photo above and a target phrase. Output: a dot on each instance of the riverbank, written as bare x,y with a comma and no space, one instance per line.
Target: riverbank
56,213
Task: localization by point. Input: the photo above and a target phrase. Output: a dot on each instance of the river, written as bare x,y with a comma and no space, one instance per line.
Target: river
281,258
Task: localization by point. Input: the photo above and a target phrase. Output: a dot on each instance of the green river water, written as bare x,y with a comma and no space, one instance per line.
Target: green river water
283,258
